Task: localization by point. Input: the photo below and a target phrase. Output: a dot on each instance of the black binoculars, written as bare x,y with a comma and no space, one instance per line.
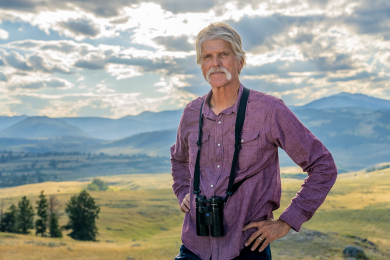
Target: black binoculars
209,216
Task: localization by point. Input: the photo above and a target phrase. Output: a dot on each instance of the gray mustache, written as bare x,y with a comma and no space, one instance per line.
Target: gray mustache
218,69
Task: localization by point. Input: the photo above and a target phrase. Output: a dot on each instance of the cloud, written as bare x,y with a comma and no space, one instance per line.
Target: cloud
36,62
3,34
265,33
17,61
297,50
39,64
174,43
32,83
93,64
3,77
64,46
359,76
106,8
80,27
21,5
371,17
123,71
187,6
318,64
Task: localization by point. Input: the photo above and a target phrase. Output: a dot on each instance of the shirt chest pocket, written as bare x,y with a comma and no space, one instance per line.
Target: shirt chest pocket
248,154
193,148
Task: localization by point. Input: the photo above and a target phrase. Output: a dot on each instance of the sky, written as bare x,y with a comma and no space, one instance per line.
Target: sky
116,58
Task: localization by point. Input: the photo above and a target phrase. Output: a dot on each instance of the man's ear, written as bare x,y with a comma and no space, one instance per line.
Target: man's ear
240,65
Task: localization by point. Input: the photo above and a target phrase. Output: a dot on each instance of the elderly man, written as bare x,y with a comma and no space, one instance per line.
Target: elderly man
247,221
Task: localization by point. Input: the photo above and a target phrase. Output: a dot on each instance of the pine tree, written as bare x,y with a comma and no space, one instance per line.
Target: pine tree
40,224
9,220
25,217
55,230
82,212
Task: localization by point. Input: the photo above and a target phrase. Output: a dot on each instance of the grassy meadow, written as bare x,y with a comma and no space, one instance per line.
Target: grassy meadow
140,219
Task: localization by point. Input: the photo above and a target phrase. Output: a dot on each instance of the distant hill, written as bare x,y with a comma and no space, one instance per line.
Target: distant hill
7,121
354,127
36,127
163,117
344,100
156,143
41,145
114,129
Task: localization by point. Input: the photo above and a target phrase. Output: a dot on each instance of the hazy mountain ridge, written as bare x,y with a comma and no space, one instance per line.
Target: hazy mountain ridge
344,100
36,127
345,130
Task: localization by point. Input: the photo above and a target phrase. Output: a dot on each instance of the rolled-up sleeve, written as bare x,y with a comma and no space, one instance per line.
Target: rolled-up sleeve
311,155
179,161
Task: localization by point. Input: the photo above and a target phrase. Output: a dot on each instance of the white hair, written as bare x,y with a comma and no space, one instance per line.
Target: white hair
222,31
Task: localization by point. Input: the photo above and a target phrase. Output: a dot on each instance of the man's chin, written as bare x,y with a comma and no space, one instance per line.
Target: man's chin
218,83
218,77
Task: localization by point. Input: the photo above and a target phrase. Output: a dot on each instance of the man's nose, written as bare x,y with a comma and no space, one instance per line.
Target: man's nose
216,61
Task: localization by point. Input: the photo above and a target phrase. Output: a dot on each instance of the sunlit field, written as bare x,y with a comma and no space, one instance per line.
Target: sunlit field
140,219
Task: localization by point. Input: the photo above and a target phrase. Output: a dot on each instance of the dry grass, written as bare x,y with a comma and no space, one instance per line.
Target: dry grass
146,224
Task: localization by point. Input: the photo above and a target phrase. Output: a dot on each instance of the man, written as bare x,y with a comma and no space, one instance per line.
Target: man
247,216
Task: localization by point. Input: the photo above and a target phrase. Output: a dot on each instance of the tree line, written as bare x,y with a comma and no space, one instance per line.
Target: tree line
81,209
7,156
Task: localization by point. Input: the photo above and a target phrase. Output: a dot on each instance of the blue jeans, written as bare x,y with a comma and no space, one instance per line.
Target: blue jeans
245,254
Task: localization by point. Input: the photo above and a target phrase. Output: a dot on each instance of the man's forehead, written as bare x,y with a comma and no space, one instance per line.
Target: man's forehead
213,45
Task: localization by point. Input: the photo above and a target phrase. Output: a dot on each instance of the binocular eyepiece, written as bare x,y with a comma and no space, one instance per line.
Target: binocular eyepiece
209,216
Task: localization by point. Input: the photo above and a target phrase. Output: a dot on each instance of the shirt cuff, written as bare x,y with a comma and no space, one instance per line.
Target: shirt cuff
293,217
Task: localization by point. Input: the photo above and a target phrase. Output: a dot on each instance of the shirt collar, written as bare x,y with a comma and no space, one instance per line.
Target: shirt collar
207,112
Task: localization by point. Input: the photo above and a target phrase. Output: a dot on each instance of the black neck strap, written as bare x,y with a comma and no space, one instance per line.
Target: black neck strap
239,123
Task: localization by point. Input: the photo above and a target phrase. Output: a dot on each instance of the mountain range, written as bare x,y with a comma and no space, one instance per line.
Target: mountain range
354,127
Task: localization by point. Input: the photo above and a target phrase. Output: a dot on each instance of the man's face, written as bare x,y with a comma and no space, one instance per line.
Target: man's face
218,54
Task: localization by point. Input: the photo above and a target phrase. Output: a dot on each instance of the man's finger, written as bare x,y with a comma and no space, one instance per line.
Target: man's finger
183,208
250,225
187,204
257,243
254,224
264,245
252,237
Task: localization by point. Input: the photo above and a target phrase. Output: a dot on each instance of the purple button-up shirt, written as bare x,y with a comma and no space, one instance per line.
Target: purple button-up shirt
269,124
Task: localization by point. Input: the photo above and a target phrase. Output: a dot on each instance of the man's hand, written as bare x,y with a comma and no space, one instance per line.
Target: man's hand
185,204
269,230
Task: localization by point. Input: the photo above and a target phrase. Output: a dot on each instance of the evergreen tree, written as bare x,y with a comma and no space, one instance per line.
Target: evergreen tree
82,212
25,217
8,221
40,224
55,230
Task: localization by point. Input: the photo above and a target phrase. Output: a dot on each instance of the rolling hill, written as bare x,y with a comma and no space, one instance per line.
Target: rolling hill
114,129
344,100
354,127
140,219
38,127
7,121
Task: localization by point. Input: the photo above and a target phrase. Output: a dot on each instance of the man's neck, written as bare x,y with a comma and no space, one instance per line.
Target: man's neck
224,97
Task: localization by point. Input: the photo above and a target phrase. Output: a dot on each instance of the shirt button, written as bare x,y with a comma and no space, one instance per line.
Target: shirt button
219,144
212,185
218,166
219,122
242,140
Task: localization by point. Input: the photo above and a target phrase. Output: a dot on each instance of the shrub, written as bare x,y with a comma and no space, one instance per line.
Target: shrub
97,184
